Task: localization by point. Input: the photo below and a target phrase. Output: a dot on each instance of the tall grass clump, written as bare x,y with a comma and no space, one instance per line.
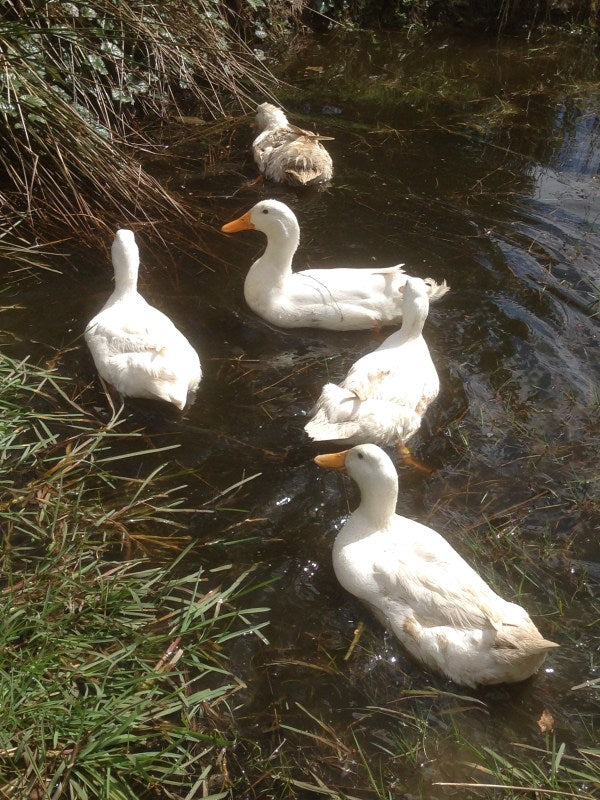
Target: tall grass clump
76,78
113,678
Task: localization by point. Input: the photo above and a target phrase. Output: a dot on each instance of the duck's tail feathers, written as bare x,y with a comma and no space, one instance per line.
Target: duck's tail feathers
320,430
397,269
540,645
336,403
546,644
333,414
436,290
527,639
303,177
312,135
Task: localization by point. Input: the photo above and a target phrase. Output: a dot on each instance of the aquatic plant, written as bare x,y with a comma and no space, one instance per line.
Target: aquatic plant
76,79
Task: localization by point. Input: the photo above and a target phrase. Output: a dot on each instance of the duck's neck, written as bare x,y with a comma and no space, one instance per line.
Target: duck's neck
126,274
414,315
282,243
275,118
378,499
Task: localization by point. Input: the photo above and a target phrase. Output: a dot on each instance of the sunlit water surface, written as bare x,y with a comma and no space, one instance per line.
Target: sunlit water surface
474,161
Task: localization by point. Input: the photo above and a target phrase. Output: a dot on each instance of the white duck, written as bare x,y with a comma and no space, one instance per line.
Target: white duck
338,299
136,347
418,586
387,391
287,154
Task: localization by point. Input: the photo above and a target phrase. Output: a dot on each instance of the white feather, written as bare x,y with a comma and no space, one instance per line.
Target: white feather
441,610
386,392
136,347
342,298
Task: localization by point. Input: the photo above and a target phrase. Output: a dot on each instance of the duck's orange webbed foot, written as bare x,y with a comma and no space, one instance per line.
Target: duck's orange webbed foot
255,182
377,331
407,458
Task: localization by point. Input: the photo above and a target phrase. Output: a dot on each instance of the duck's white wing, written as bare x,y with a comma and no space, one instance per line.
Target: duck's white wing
134,329
365,286
424,573
373,377
340,415
125,339
377,401
346,288
398,374
139,350
399,371
334,415
265,143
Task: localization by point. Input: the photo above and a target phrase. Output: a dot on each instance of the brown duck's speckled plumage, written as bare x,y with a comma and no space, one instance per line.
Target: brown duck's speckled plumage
285,153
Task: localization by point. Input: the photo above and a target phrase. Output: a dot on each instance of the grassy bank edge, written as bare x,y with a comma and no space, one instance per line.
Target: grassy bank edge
114,682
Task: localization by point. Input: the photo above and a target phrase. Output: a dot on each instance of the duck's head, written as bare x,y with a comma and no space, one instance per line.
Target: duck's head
375,475
269,216
270,116
415,302
414,288
367,464
124,251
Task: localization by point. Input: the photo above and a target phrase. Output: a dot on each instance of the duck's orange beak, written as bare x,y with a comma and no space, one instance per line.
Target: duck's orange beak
242,223
332,460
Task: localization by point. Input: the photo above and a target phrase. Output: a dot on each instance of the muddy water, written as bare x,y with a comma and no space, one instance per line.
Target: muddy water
474,161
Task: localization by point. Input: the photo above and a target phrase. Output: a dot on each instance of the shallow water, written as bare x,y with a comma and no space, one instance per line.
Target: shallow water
474,161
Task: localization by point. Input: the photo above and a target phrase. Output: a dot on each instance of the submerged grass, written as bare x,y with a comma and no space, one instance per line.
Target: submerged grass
412,740
394,751
114,682
552,771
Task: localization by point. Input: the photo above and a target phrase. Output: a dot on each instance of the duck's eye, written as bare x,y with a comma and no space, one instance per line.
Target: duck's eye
265,210
360,455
